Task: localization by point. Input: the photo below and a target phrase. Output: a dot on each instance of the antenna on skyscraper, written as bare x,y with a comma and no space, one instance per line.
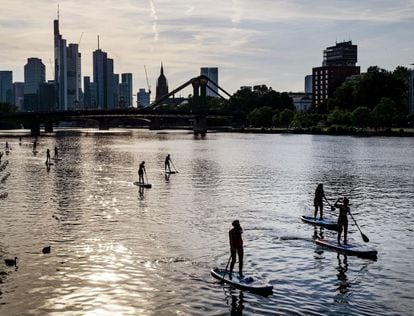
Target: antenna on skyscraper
98,41
58,13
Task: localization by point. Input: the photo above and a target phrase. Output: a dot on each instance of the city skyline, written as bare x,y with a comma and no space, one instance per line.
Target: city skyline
252,42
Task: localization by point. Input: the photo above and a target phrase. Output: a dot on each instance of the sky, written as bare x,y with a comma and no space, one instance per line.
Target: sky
271,42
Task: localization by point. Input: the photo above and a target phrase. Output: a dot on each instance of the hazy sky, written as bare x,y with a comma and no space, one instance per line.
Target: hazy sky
268,42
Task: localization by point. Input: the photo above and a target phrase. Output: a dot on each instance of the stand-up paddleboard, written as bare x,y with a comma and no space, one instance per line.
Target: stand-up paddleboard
248,283
49,163
170,172
143,185
352,248
326,223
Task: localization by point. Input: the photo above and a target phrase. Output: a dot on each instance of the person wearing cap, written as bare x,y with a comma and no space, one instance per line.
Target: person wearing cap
342,218
141,171
236,246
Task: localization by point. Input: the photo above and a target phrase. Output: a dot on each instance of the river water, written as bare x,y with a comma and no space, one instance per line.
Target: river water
118,251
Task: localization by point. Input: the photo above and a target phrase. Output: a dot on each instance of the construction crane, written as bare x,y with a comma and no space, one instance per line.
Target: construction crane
80,38
146,76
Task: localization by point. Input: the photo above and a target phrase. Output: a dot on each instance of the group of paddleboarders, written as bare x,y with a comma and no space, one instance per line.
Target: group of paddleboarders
56,156
142,170
342,204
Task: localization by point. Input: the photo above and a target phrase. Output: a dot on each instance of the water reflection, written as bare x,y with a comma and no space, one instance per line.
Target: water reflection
318,233
342,284
237,304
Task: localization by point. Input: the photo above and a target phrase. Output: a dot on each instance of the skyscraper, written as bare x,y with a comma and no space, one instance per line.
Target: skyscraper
18,95
73,77
411,91
6,86
308,84
125,90
339,63
67,71
34,75
212,74
60,68
104,78
100,77
162,85
143,98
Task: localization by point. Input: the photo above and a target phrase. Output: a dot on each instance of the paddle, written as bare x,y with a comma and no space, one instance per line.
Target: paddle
174,166
146,177
225,270
364,237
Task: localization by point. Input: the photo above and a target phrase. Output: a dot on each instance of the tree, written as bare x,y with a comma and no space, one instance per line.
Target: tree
384,113
339,117
286,117
360,116
261,117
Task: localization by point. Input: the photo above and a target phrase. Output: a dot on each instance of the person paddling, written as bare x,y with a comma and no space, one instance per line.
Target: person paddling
236,246
56,153
318,201
48,156
167,163
141,171
343,218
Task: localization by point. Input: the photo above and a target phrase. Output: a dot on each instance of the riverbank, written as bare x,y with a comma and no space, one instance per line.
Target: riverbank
332,130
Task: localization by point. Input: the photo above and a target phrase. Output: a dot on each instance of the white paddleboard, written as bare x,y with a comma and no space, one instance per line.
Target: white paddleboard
248,283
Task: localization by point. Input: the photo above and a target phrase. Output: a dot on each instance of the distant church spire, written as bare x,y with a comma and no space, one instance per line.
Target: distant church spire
162,84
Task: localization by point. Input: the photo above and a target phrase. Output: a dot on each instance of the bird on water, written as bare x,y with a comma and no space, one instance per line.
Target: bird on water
11,262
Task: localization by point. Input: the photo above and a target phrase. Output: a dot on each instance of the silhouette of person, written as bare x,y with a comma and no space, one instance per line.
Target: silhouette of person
34,145
236,246
7,146
167,163
20,140
342,218
56,152
48,156
141,171
318,201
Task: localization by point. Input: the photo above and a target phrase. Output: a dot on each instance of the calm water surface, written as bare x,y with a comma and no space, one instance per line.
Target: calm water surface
116,251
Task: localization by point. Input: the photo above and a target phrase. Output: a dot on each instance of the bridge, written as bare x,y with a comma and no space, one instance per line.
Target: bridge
153,114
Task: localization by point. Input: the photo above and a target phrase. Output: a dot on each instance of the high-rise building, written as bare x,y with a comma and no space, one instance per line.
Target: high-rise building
47,96
18,95
34,75
60,68
125,90
67,71
411,91
104,78
338,64
143,98
212,74
162,85
308,84
73,77
6,86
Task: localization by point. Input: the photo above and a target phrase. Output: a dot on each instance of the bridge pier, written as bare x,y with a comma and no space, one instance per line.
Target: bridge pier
48,127
103,125
155,124
35,129
200,125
